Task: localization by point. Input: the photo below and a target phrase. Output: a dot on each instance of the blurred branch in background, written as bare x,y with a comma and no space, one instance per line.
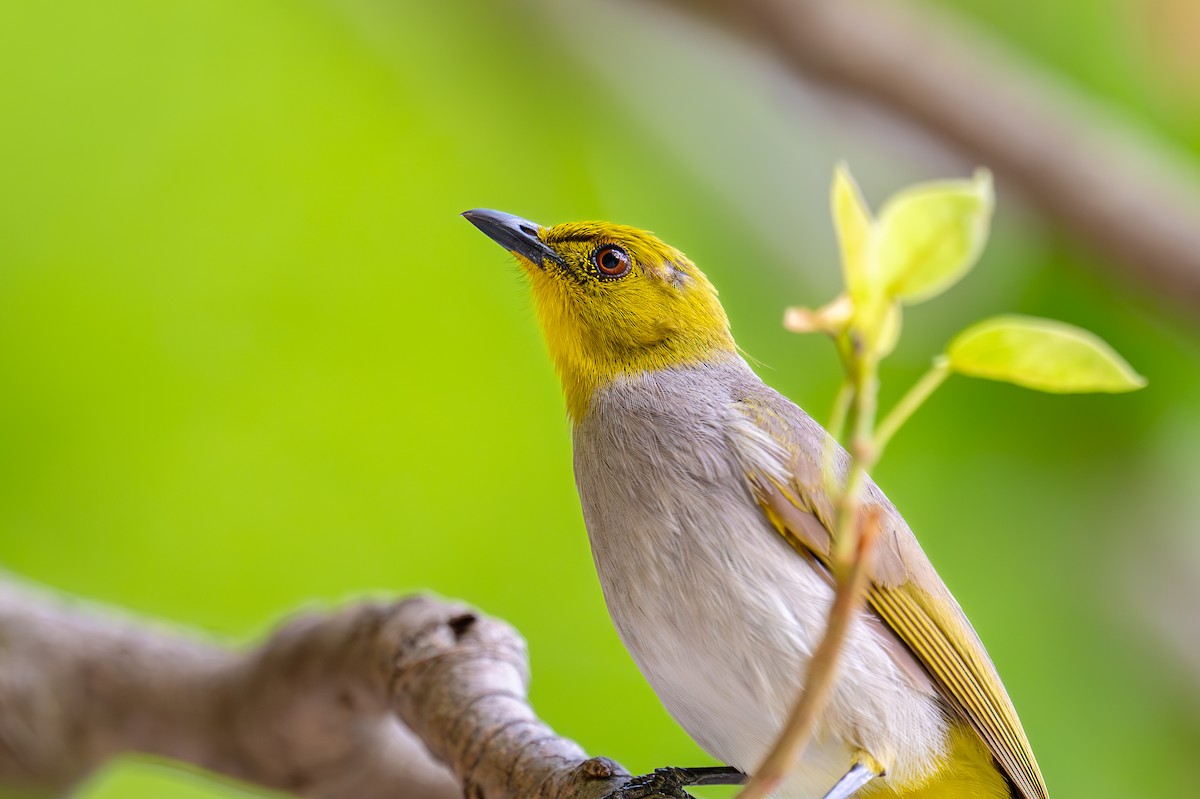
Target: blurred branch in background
1083,165
350,704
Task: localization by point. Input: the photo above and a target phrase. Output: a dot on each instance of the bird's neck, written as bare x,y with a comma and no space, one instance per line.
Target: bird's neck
593,346
586,367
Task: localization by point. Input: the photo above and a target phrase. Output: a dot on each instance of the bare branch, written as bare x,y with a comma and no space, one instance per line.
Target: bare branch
1121,191
348,704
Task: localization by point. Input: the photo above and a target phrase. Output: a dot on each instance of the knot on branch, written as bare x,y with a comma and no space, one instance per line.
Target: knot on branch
418,698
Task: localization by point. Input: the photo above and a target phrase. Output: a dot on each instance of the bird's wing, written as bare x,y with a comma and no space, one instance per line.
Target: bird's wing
905,591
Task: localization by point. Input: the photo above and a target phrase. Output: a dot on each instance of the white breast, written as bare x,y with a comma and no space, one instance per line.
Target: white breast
718,611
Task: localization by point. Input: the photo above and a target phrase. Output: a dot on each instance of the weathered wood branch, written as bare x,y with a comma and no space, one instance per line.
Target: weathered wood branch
1121,191
419,699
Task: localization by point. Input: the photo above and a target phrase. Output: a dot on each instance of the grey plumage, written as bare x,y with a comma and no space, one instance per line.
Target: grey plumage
718,611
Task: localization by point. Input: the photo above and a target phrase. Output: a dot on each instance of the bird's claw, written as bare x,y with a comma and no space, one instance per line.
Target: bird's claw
671,781
659,783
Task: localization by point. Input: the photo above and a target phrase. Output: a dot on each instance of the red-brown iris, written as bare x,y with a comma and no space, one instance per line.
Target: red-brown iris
611,260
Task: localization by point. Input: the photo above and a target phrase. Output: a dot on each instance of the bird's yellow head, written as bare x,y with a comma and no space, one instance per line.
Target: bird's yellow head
612,300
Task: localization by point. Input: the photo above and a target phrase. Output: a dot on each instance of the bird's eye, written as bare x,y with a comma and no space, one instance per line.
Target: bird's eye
611,260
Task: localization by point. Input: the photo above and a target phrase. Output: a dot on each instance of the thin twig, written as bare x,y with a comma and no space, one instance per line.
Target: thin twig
822,670
853,541
913,399
841,410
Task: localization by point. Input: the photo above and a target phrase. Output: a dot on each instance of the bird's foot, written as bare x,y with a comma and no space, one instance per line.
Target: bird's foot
671,782
857,777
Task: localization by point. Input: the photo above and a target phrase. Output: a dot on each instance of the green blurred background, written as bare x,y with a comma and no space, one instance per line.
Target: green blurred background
251,360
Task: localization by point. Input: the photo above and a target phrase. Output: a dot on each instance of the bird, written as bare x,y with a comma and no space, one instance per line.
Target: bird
711,528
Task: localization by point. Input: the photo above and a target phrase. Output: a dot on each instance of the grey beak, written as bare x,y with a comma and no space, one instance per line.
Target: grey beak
517,235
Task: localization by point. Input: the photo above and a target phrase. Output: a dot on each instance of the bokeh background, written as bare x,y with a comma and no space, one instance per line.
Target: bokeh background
252,361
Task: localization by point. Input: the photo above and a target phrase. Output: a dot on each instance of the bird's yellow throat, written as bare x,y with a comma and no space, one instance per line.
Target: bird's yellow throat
614,301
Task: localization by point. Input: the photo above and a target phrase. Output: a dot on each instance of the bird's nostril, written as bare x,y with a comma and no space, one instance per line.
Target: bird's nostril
529,230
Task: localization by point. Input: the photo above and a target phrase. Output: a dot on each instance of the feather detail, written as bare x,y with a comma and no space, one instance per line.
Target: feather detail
906,592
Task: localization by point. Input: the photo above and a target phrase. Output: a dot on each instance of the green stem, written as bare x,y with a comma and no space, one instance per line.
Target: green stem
863,457
866,396
837,428
845,542
851,567
909,403
841,409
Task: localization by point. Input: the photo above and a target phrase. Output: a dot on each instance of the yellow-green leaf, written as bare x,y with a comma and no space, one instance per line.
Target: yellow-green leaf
889,330
853,223
870,307
1042,354
931,234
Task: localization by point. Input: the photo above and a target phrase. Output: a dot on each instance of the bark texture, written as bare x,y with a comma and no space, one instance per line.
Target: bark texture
421,699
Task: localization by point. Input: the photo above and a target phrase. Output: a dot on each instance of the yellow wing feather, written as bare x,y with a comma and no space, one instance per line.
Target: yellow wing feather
908,596
956,660
959,665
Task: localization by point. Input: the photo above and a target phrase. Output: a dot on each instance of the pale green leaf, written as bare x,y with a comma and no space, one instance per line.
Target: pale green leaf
852,221
889,330
872,314
931,234
1042,354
